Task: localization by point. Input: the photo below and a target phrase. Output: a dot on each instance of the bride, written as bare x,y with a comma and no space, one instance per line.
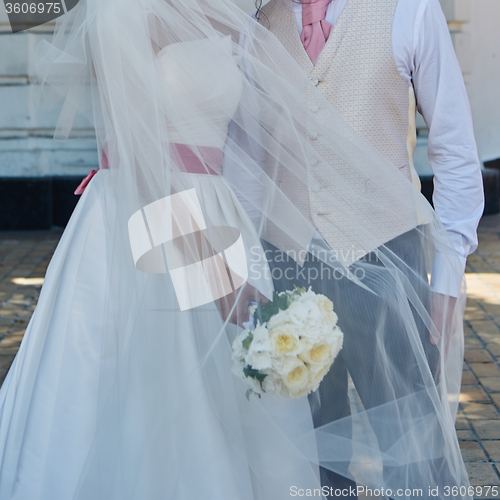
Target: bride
122,387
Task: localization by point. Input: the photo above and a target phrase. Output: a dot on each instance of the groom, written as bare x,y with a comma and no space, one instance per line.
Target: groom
376,62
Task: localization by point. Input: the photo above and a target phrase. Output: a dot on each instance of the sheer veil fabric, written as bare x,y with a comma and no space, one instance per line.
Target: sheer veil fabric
116,392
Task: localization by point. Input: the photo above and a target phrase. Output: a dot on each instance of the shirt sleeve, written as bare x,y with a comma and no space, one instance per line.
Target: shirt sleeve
442,100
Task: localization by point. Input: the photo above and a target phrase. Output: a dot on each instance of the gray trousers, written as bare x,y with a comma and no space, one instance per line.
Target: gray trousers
360,312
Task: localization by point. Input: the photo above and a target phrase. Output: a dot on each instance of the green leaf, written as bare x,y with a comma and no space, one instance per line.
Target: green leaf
282,301
264,312
258,315
250,392
252,373
298,290
246,343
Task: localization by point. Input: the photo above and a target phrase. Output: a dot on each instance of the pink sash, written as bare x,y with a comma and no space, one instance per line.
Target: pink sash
210,163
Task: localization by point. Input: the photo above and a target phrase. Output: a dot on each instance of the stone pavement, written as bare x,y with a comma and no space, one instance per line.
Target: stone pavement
24,258
478,422
23,262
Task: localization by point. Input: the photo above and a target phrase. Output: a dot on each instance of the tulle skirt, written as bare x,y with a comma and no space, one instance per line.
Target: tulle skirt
82,417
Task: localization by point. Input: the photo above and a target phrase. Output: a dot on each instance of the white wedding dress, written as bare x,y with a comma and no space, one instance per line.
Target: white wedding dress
75,423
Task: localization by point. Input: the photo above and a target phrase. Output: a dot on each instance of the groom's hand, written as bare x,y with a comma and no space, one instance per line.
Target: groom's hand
443,318
239,314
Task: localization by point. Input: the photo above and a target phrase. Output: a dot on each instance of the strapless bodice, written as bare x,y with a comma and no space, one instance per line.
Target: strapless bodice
204,90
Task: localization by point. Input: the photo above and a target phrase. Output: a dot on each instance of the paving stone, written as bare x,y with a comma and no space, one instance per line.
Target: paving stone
492,309
478,356
468,378
461,423
472,342
466,436
489,337
493,449
16,303
24,316
490,383
471,393
480,411
485,369
9,352
482,474
472,451
6,320
10,341
487,429
496,399
494,349
486,326
468,331
6,360
474,313
9,313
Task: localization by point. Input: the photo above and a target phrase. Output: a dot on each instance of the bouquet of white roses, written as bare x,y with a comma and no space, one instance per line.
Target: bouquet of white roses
288,345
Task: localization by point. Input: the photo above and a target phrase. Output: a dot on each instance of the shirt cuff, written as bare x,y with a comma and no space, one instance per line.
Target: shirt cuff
447,274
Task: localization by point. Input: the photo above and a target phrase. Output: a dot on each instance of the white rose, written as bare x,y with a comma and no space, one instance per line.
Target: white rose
259,360
272,384
335,340
254,384
259,351
316,354
239,352
325,306
316,376
260,341
278,319
298,312
285,340
295,375
315,330
306,296
251,382
320,326
295,394
306,315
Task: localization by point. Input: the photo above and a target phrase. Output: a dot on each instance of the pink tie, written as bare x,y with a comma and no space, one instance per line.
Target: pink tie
315,30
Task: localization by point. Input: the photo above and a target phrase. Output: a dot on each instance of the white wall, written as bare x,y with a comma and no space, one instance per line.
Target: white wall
458,14
26,147
476,37
26,144
484,79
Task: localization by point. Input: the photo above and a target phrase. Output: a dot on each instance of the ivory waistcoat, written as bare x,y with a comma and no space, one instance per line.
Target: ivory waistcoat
356,72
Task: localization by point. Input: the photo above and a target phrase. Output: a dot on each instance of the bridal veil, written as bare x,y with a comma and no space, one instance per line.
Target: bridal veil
162,80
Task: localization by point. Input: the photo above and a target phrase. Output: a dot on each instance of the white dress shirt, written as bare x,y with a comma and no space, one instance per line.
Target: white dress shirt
425,57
